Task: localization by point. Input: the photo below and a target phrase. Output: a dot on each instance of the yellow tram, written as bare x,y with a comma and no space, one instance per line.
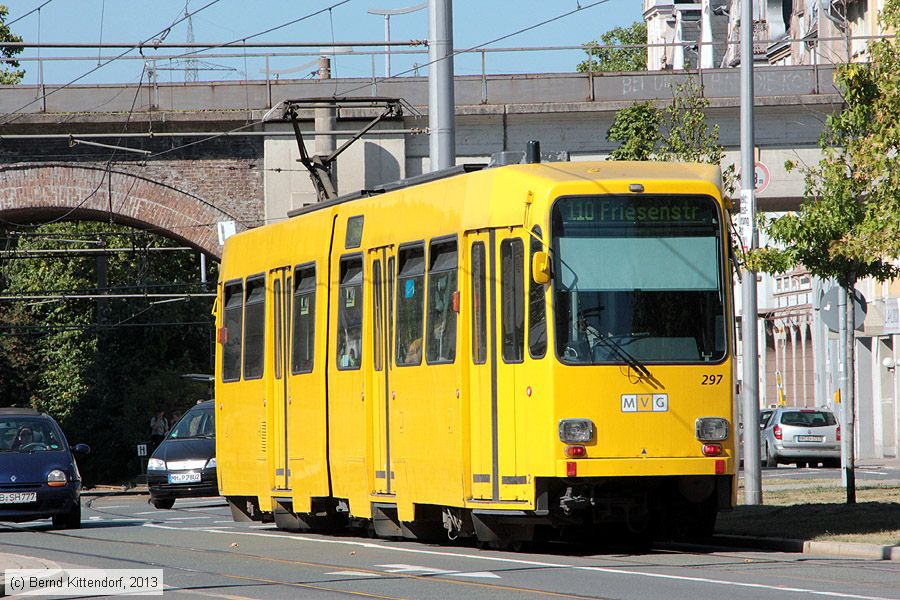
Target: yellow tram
500,352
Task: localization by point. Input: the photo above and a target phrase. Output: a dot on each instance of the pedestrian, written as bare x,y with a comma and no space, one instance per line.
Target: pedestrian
159,426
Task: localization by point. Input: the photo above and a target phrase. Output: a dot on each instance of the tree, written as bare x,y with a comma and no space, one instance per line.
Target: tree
608,59
10,74
679,131
848,225
102,368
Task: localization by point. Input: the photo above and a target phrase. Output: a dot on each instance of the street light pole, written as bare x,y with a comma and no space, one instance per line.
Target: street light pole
750,375
387,13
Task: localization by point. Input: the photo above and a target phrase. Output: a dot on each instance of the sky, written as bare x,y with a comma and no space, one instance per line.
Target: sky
475,23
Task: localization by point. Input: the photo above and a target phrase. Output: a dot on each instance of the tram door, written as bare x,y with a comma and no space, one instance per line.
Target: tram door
495,277
281,327
381,267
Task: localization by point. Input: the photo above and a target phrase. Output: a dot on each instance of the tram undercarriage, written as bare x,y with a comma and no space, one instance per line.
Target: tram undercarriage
605,510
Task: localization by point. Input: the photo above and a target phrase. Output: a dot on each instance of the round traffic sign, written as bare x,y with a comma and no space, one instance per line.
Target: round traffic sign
761,177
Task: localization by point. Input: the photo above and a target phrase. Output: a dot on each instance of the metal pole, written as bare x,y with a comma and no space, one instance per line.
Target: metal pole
846,335
441,103
818,341
387,48
750,379
326,120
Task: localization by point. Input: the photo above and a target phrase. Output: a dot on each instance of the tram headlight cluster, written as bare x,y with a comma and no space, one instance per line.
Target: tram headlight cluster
576,431
712,429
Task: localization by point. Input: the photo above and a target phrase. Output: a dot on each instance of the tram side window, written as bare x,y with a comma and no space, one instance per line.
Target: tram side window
232,330
440,346
350,307
410,304
303,338
254,327
377,318
479,305
537,307
512,299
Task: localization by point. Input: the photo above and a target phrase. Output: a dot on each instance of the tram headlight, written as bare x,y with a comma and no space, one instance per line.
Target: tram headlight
712,429
575,431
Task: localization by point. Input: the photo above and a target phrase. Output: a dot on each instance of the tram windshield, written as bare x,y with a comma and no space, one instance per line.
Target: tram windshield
638,276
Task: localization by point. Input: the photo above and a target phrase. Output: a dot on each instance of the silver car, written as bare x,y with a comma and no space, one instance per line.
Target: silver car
803,436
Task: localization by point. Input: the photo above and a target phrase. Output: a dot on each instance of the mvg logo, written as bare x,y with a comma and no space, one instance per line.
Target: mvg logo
645,402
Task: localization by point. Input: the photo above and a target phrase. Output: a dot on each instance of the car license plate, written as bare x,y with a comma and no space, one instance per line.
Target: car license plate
18,497
809,438
184,477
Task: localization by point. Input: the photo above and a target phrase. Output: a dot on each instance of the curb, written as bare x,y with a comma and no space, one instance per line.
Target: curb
844,549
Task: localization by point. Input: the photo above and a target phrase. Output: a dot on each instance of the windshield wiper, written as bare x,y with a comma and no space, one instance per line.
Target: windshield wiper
636,365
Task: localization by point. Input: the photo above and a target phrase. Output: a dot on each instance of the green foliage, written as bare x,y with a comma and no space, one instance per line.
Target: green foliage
602,59
848,226
638,129
102,368
679,132
10,74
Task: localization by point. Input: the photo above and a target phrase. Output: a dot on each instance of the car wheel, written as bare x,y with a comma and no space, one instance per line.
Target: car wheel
163,504
69,520
771,461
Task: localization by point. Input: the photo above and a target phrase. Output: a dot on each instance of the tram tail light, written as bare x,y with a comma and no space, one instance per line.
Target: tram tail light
776,431
712,449
571,469
720,467
576,451
838,433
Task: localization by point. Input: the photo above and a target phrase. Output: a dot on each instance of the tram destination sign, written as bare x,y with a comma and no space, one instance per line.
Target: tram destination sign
649,210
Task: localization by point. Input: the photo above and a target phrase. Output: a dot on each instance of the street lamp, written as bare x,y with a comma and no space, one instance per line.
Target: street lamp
387,13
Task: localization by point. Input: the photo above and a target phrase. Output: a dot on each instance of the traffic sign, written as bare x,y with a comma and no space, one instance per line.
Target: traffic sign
761,177
142,449
830,311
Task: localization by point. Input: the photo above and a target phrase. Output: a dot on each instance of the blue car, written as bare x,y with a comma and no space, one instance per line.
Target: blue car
38,475
184,464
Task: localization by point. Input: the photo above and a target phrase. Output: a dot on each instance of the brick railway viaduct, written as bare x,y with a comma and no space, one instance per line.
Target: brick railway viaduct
215,152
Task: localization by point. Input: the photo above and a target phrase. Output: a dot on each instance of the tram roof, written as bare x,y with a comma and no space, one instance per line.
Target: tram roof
551,172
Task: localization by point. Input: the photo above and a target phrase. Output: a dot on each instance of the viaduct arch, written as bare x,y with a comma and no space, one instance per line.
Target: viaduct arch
49,191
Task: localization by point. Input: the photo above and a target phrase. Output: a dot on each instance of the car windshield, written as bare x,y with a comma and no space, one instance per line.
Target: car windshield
198,422
638,276
28,434
812,418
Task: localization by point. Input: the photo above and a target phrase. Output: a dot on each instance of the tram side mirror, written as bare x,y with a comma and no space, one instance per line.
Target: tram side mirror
540,268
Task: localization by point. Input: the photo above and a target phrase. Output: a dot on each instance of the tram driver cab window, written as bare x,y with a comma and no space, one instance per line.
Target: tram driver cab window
349,343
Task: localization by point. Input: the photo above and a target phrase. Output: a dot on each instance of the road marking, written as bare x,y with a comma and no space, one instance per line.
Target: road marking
535,563
187,518
433,571
353,574
115,506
